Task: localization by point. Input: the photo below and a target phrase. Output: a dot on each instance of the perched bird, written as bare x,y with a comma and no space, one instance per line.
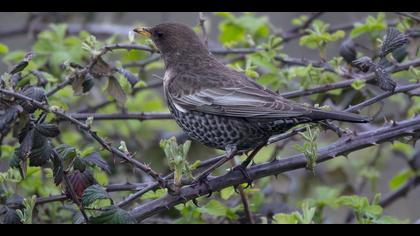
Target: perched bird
220,107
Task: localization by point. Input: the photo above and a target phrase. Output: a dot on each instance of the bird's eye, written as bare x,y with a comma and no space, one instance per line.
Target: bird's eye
159,34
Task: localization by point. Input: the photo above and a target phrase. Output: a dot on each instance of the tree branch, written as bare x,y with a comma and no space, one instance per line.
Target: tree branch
343,146
401,192
141,116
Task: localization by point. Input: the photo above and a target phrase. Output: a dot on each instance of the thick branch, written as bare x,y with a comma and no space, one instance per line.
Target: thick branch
343,146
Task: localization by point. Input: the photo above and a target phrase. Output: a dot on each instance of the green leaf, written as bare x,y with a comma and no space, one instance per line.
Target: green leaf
14,56
154,194
391,220
371,25
226,193
230,32
358,84
3,48
113,215
94,193
67,154
401,178
282,218
214,208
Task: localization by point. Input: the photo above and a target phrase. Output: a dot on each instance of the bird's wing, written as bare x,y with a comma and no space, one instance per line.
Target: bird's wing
237,100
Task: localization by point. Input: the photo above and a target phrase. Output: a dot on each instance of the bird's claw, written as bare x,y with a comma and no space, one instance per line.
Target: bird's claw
245,173
203,180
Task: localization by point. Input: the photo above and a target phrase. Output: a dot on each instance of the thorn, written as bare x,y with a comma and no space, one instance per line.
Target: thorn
194,201
235,188
184,198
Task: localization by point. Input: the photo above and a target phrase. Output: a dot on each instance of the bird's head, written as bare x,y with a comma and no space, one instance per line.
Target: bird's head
173,39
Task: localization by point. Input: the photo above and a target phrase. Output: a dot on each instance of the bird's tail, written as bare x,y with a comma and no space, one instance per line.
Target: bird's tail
340,116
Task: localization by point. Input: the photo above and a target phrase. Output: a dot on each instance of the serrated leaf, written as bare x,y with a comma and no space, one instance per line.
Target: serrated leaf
35,93
39,156
8,117
96,159
93,193
67,154
26,145
58,169
80,181
113,215
48,130
115,90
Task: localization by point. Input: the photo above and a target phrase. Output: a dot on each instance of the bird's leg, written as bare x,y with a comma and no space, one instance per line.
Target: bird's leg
230,153
243,166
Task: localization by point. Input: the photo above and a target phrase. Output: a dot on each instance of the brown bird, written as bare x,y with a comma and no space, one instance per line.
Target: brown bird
220,107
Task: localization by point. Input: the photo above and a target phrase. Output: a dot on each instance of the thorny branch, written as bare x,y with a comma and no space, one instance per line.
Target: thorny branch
343,146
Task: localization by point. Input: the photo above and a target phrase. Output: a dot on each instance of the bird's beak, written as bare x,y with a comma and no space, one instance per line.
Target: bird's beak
145,31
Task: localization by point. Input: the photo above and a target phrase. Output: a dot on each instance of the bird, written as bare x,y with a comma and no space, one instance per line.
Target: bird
221,107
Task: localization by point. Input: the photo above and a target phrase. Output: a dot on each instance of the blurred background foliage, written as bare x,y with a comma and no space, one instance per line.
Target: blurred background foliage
322,196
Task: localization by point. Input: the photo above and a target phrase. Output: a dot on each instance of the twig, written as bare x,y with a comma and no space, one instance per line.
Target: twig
401,192
409,15
201,21
307,23
124,116
59,86
244,200
109,188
